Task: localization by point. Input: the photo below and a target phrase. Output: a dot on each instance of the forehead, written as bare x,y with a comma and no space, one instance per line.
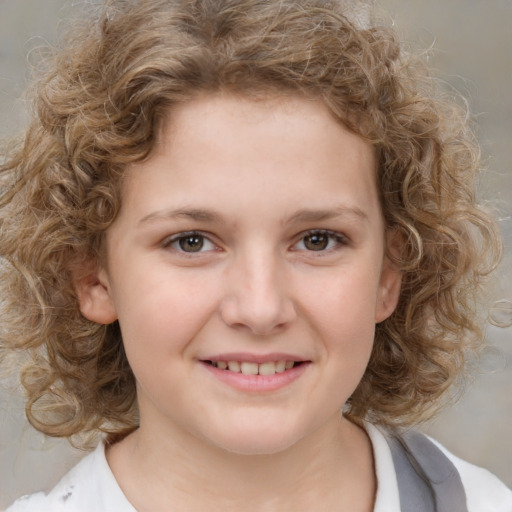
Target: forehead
226,149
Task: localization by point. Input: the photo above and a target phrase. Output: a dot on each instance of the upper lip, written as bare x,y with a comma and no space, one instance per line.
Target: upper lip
254,358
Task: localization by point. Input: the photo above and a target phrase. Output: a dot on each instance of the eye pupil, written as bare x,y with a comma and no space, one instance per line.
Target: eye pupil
192,243
316,242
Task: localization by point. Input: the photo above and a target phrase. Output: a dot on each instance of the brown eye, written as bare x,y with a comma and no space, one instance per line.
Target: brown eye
191,243
321,241
316,242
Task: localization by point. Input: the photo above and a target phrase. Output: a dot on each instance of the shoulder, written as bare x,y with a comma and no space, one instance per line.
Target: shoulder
90,485
484,491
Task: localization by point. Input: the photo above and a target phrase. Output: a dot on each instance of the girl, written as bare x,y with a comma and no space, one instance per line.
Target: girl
241,241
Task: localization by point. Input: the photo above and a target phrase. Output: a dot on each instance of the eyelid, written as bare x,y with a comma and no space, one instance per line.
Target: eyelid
341,239
170,240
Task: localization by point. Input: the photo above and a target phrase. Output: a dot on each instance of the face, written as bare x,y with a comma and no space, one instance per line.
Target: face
247,272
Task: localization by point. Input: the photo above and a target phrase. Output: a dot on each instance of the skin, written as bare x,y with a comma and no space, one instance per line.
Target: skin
255,181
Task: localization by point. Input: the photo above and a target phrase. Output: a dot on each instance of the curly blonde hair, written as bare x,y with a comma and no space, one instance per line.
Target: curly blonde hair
97,109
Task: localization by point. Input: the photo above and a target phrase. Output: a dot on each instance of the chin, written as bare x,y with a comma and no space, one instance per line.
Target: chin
256,441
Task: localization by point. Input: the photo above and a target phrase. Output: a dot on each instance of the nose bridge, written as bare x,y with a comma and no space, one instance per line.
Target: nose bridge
258,296
261,273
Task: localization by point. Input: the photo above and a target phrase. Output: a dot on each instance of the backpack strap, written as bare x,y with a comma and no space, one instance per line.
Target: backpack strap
427,480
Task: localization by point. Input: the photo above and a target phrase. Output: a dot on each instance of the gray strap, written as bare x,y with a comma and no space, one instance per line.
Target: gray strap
427,480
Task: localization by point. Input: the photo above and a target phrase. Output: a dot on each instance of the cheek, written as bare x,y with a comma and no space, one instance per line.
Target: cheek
341,310
164,312
349,297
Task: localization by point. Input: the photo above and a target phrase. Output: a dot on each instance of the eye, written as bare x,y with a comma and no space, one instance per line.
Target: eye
320,240
190,243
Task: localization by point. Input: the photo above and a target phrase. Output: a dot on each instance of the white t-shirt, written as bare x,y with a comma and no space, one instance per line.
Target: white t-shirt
91,487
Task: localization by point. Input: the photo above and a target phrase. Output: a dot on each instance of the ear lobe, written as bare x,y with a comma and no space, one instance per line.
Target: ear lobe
389,291
94,297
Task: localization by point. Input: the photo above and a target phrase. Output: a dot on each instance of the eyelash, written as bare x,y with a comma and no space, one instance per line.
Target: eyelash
338,238
175,239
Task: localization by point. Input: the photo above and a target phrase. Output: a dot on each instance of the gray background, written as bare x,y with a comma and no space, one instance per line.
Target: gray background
470,43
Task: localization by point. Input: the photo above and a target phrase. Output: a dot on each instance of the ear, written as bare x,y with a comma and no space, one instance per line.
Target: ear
94,295
390,282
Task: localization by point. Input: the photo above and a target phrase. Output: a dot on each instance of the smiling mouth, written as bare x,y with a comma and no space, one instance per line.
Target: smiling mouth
251,368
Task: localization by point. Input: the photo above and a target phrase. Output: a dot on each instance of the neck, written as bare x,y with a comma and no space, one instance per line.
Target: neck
332,467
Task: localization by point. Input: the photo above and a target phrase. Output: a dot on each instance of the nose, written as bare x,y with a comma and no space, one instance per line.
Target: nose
257,295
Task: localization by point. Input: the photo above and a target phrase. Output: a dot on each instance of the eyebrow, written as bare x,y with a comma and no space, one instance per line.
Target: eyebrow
313,215
196,214
210,216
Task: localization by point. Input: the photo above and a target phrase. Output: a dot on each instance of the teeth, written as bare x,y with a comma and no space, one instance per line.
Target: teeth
267,368
234,366
280,366
249,368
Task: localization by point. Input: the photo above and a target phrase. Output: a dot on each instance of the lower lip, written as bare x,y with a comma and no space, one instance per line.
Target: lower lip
257,383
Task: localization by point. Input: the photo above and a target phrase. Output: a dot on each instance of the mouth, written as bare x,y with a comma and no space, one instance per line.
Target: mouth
253,368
